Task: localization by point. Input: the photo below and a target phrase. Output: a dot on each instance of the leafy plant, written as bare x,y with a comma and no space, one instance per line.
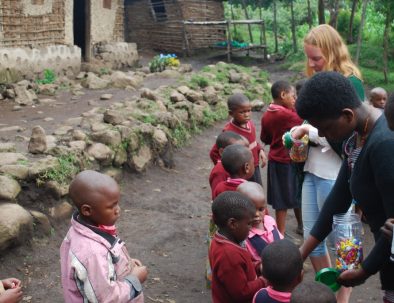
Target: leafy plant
49,77
199,81
160,62
67,167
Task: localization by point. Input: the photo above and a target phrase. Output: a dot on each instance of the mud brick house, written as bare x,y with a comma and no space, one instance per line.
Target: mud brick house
158,24
59,34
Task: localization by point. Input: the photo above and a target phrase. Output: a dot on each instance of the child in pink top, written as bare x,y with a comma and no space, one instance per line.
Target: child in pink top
264,229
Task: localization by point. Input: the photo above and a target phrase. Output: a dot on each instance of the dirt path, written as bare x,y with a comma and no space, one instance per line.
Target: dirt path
164,223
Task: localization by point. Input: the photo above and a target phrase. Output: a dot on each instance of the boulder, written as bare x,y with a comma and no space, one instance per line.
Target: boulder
38,142
41,223
94,82
24,96
170,73
106,97
141,159
177,97
39,167
7,147
102,153
78,145
234,77
47,89
51,142
113,172
121,80
17,171
62,211
149,94
210,95
9,188
76,121
159,138
63,130
16,225
120,157
257,105
78,135
185,68
114,117
183,89
56,190
11,158
194,96
108,136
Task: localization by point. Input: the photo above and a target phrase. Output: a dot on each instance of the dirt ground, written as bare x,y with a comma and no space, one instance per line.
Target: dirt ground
164,217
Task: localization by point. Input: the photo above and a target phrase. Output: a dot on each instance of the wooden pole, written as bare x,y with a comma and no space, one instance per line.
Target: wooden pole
228,41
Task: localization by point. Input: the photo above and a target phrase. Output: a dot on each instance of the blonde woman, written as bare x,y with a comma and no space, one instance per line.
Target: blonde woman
325,51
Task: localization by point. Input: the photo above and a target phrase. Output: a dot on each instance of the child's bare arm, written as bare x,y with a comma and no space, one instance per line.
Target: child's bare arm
12,295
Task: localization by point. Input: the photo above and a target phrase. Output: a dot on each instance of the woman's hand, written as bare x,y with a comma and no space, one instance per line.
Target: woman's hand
387,228
298,132
12,295
11,283
353,277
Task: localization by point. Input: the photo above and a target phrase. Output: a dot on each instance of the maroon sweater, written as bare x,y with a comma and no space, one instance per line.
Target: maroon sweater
249,133
275,122
234,277
228,185
218,174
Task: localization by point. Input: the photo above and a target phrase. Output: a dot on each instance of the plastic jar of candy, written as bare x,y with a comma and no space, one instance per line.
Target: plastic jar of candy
299,149
347,229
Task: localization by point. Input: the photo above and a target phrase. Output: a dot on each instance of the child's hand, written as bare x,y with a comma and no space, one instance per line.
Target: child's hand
353,277
140,272
12,295
11,283
136,262
263,158
387,228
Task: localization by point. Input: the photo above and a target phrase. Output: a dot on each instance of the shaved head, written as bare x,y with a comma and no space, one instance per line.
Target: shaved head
90,186
252,190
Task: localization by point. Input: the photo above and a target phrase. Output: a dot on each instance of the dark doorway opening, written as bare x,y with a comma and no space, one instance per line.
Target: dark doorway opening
79,20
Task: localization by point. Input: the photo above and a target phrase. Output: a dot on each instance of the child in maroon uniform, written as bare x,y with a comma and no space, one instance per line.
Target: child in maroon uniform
282,267
234,278
237,160
239,109
218,173
279,118
263,230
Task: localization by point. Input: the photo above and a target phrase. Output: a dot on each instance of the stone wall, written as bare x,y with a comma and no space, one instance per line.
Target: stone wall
18,63
116,55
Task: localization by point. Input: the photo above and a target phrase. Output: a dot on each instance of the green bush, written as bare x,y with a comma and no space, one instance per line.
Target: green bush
49,77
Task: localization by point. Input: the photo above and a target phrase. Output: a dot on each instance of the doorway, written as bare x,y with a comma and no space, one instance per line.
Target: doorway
81,27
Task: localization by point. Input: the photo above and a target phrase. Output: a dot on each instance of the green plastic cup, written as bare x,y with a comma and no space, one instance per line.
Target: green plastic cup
328,276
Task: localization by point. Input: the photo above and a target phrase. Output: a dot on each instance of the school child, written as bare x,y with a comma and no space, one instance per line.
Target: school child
218,173
312,292
240,110
282,267
264,229
234,278
378,97
281,176
237,160
10,290
95,264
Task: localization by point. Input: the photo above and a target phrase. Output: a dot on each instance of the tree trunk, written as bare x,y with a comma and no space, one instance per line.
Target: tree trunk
360,30
350,39
309,14
386,42
322,18
293,27
247,17
334,14
275,26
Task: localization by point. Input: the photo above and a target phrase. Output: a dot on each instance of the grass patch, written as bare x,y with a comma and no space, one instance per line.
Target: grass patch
64,172
199,81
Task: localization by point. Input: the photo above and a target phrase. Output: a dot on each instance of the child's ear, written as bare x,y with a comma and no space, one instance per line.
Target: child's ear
221,151
230,112
282,94
246,168
232,223
86,210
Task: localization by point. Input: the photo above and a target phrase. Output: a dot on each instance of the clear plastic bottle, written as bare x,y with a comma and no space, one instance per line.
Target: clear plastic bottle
347,229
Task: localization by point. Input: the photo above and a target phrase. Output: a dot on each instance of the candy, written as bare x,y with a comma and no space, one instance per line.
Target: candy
349,254
299,150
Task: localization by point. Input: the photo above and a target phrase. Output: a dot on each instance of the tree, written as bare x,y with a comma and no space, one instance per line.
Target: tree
320,7
244,6
387,28
360,32
275,26
334,11
293,27
350,39
309,14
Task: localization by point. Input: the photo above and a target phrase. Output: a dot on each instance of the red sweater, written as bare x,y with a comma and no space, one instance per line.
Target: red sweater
218,174
275,122
234,278
249,133
228,185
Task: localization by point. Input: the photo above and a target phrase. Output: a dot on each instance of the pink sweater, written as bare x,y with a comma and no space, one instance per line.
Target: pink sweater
95,270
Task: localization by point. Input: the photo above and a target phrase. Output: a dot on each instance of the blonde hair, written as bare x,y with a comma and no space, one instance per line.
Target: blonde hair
334,50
